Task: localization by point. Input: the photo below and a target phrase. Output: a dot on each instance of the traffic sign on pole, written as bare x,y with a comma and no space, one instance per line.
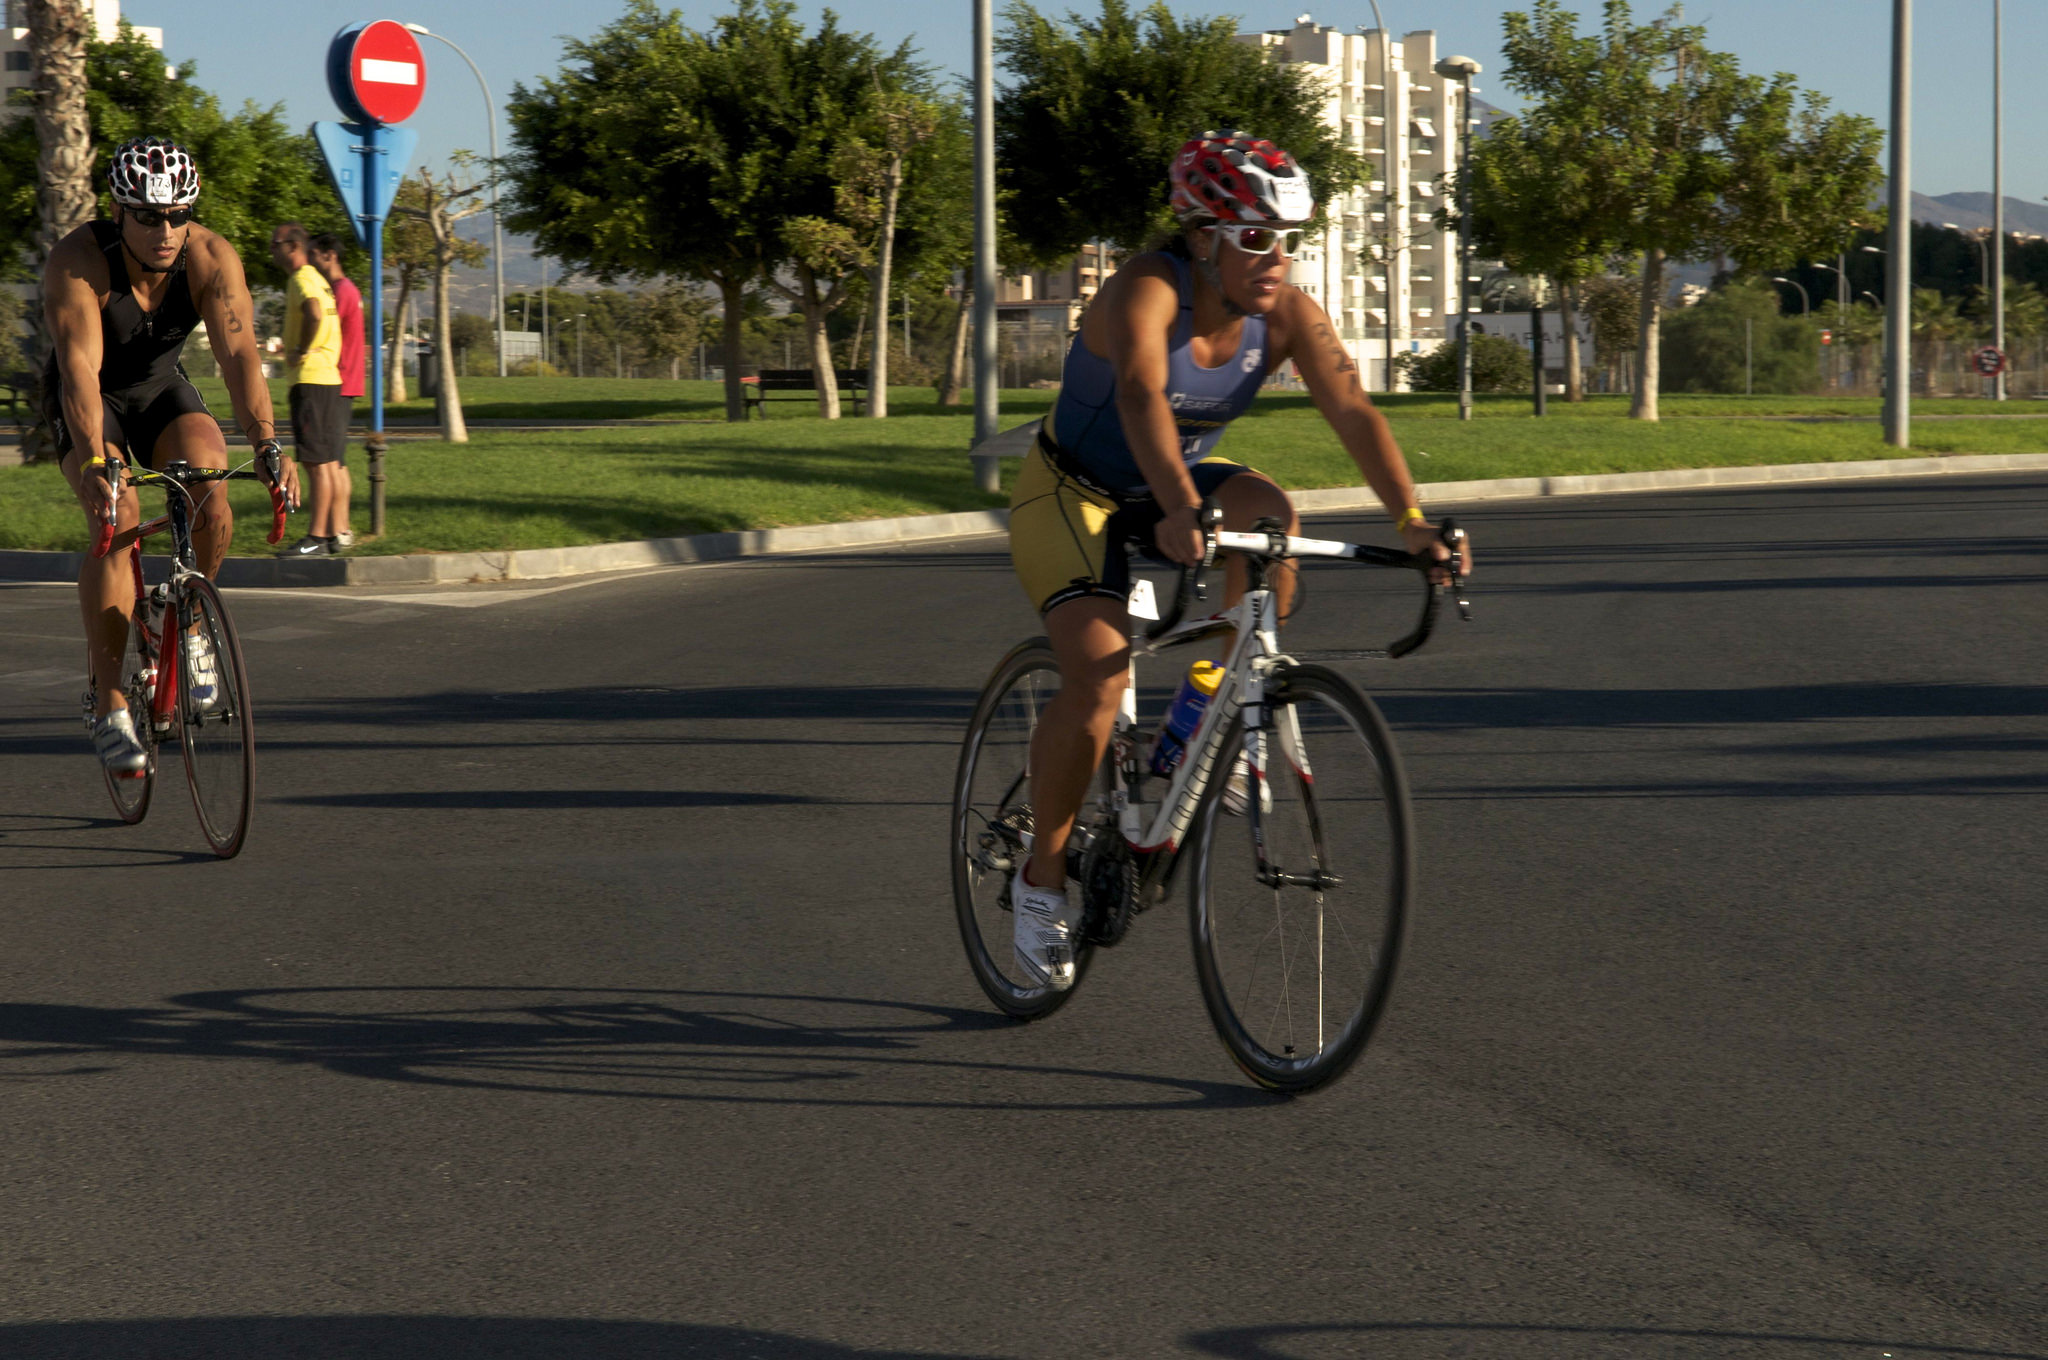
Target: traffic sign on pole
376,72
1990,361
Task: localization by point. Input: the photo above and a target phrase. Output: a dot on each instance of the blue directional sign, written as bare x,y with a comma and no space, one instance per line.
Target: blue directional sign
365,163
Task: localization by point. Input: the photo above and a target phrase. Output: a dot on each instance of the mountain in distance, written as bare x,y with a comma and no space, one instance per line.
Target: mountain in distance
1973,211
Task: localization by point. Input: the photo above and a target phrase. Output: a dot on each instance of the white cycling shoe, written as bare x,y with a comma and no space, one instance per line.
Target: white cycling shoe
1044,932
119,748
1237,789
204,668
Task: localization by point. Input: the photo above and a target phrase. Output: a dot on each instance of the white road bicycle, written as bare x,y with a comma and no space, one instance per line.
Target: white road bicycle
1290,803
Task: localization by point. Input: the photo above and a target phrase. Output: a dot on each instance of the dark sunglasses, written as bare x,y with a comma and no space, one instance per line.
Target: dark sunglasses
150,217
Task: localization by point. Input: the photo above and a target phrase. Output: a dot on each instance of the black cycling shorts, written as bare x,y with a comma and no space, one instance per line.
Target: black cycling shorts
133,418
320,422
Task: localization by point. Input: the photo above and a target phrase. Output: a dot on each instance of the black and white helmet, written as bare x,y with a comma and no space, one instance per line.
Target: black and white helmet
149,172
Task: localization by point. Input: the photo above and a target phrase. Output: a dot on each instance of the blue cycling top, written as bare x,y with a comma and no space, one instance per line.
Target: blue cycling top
1087,427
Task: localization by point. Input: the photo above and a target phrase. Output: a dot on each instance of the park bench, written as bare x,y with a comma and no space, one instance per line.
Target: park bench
799,382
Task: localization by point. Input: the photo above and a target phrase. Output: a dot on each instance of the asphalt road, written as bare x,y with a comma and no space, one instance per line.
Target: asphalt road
589,986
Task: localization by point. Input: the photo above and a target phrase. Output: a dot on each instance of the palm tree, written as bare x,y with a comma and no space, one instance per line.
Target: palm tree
1937,320
58,31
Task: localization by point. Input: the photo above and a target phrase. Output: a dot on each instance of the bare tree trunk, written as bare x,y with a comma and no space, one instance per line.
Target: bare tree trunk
447,397
956,362
822,371
394,369
860,333
732,294
1568,312
1644,407
878,371
58,31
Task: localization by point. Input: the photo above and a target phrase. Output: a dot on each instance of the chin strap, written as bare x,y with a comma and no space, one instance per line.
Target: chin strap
1213,276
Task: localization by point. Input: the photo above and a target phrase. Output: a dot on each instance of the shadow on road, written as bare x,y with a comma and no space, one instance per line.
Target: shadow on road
1541,1341
1453,709
559,799
734,1047
428,1337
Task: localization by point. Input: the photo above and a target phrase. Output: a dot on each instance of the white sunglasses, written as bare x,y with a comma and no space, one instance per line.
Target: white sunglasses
1257,240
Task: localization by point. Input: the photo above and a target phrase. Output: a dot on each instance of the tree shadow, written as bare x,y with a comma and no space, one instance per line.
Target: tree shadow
421,1337
625,1043
1461,709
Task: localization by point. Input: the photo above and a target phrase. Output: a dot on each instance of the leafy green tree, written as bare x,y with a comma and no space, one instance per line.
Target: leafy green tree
1736,339
1677,155
714,155
1096,108
255,171
1498,365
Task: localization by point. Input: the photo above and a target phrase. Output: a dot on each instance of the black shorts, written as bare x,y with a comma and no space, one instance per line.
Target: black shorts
320,422
132,418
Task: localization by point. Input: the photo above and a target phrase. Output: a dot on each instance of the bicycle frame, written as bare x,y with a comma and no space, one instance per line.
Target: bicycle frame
162,679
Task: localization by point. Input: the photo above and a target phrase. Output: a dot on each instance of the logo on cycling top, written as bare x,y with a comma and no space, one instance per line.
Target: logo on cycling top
1182,401
1252,357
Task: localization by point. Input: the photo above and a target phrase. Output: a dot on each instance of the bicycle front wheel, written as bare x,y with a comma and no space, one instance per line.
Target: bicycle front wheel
1302,883
214,722
992,828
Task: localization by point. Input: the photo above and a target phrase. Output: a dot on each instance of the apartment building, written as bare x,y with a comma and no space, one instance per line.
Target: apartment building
16,67
1382,258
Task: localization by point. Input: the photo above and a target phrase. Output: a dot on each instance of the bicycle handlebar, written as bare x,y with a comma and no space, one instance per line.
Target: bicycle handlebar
1271,546
182,475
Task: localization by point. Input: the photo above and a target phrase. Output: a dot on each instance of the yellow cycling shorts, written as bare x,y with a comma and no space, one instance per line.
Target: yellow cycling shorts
1069,537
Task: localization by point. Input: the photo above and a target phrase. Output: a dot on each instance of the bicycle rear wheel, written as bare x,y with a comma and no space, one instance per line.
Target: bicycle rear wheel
1296,969
131,793
992,827
219,737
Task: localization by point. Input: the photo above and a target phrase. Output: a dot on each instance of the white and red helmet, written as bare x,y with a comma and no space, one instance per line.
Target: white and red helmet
1232,176
149,172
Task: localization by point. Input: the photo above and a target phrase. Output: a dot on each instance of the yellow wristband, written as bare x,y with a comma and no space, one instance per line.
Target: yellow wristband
1412,515
97,460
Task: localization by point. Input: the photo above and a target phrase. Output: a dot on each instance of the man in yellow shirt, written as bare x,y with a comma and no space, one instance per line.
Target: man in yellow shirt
312,354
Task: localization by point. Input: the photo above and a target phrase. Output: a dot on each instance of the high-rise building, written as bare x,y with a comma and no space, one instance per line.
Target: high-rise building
1382,259
16,65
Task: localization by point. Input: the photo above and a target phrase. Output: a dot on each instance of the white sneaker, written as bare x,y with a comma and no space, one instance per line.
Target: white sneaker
1237,789
120,750
1044,932
204,670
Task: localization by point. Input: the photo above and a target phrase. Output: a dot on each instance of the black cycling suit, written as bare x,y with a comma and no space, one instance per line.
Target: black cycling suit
142,387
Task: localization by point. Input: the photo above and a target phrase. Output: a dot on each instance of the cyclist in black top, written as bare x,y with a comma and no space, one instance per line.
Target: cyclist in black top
120,298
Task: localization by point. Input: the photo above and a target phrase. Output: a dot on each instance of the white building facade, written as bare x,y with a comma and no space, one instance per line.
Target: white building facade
1382,257
17,68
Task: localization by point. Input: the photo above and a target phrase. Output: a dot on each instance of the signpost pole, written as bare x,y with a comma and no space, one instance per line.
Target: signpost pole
373,230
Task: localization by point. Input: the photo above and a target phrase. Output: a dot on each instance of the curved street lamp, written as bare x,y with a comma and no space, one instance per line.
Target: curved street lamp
1463,69
1805,304
497,228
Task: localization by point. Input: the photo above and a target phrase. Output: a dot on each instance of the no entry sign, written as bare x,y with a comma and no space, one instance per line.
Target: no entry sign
1989,361
376,73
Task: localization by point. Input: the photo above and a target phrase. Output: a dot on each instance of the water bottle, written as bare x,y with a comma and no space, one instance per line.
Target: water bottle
1197,688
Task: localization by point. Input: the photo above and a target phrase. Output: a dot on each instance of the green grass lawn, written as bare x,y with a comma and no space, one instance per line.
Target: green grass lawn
529,489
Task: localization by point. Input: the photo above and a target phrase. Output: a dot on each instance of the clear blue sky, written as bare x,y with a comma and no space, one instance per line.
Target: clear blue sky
1840,48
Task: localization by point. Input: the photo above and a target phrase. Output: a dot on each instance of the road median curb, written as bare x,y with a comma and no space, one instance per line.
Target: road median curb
547,563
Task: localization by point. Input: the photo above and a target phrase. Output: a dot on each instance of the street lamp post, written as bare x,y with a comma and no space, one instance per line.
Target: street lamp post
1998,192
579,344
1387,160
1805,303
1898,404
987,408
497,227
1463,68
1841,311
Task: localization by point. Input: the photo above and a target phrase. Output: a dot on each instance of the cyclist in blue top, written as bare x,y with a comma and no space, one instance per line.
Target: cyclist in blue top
1172,349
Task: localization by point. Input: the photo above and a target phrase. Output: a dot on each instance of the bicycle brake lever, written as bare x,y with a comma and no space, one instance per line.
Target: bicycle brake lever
1454,538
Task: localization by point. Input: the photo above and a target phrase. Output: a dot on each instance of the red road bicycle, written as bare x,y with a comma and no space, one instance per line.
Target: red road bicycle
217,736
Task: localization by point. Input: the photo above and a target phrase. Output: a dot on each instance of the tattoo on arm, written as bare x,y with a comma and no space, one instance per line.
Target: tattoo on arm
1338,353
234,321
